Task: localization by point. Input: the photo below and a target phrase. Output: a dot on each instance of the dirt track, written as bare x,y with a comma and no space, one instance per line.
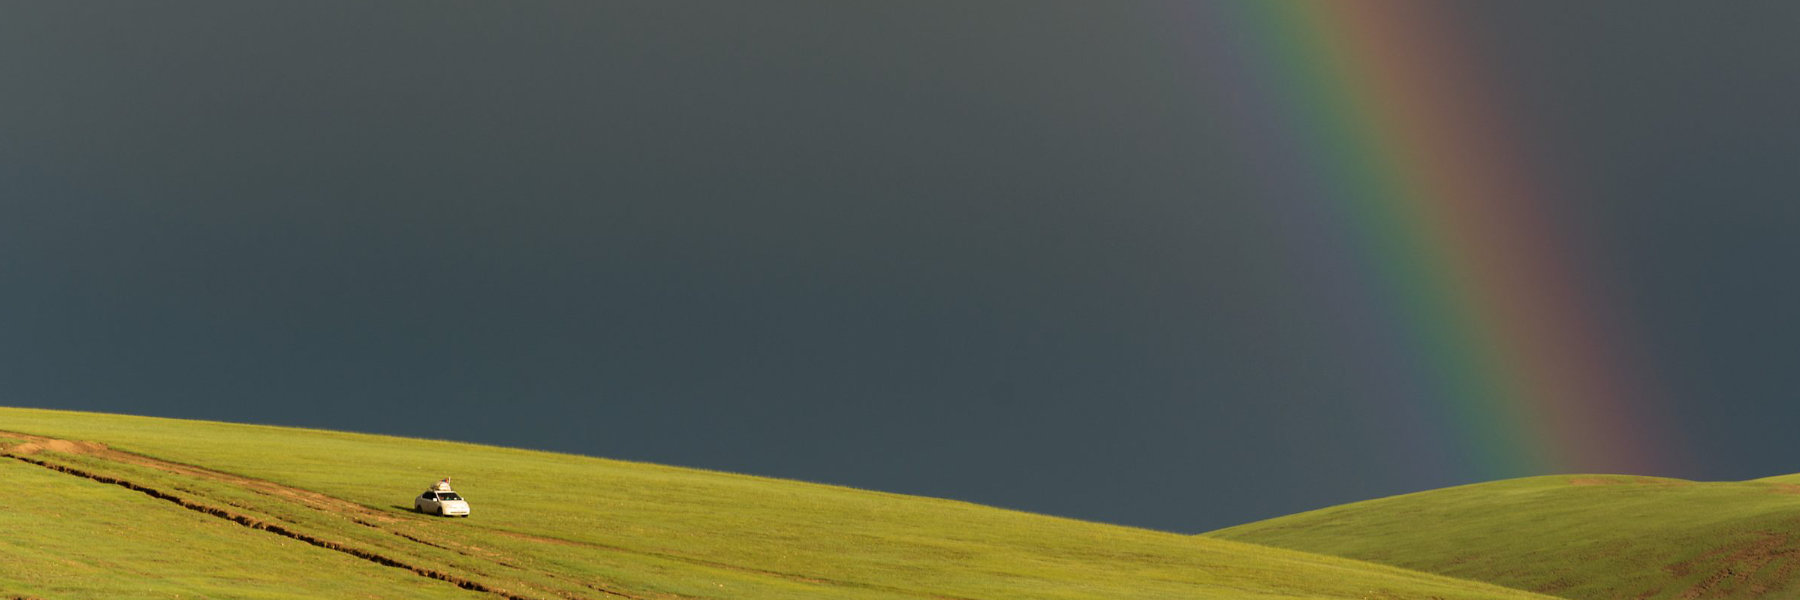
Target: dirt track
33,449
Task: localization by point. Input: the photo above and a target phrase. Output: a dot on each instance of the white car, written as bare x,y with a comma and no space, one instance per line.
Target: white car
441,502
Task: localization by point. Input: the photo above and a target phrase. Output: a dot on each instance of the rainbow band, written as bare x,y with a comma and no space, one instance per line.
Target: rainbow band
1404,165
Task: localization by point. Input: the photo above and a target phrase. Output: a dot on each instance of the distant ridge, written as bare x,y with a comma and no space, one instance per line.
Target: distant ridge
1573,536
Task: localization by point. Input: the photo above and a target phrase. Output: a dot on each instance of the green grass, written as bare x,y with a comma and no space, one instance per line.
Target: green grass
65,537
551,525
1572,536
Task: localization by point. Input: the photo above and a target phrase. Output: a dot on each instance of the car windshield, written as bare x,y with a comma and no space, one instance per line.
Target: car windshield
448,496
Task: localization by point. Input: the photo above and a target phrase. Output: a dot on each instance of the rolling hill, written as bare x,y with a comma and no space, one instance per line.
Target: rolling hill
111,506
1581,537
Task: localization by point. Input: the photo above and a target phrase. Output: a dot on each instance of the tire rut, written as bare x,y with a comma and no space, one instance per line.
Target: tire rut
277,529
378,520
330,505
323,502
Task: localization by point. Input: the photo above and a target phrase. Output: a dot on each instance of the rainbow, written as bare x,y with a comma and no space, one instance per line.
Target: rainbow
1423,215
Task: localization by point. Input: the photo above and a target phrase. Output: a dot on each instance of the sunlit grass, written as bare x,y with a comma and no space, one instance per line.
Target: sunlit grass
1602,536
66,537
548,525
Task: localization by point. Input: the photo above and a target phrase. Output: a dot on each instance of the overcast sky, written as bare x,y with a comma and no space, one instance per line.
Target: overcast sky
994,251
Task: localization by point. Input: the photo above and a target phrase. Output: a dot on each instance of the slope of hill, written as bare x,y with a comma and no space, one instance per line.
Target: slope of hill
1588,536
134,507
56,530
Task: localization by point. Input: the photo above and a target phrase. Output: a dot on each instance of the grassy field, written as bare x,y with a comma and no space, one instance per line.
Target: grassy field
67,537
550,526
1573,536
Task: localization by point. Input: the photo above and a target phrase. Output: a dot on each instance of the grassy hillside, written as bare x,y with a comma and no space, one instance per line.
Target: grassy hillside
1573,536
56,529
186,508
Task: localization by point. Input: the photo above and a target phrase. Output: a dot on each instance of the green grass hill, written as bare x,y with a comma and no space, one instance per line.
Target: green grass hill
1580,537
110,506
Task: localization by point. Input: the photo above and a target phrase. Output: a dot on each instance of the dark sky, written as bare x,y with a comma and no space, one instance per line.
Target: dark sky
1003,252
